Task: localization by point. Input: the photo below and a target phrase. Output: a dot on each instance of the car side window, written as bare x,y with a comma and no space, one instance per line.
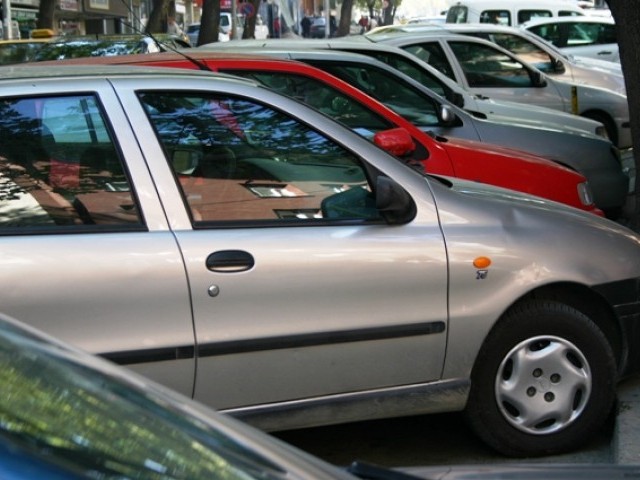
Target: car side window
497,17
484,66
526,15
238,161
527,51
60,169
399,96
433,54
323,98
581,34
409,68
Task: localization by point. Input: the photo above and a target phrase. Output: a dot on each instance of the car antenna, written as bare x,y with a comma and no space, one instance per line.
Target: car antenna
201,65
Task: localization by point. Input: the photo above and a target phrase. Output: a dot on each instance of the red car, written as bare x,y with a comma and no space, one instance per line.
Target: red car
482,162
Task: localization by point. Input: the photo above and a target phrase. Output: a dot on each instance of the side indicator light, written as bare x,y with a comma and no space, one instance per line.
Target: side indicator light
481,262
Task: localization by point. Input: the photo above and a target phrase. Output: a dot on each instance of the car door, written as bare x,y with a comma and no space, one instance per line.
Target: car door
85,250
488,71
299,289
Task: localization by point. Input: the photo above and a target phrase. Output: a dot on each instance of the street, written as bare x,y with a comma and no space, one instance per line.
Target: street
422,440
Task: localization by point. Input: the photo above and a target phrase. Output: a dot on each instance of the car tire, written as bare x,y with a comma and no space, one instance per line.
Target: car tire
543,382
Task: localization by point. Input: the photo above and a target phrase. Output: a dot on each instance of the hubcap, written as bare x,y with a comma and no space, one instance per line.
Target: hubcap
543,385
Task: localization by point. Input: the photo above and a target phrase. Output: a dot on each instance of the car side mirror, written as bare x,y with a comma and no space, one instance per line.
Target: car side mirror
396,141
393,202
446,115
538,79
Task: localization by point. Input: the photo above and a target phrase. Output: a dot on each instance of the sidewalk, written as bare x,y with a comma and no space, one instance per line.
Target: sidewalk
626,436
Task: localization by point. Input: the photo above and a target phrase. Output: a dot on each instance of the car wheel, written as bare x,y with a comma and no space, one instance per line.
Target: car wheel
543,382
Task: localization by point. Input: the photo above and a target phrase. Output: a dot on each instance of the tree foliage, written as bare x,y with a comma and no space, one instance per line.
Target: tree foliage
627,17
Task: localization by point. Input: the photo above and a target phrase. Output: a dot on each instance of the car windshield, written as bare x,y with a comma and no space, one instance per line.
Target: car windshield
64,413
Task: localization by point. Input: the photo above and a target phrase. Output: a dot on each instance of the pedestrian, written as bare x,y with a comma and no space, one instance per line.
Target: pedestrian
305,23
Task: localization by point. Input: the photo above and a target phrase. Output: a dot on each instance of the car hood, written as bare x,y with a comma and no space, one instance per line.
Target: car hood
459,146
602,65
599,73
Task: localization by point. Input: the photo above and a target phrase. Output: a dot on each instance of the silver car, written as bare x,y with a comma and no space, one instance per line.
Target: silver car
530,48
249,252
488,69
591,36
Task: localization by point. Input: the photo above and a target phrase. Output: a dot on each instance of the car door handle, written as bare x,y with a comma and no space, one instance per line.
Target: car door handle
230,261
605,52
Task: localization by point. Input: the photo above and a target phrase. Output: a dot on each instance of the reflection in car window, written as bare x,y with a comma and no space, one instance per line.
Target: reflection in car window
433,54
576,34
322,97
332,102
239,161
484,66
388,89
526,51
92,424
60,168
409,68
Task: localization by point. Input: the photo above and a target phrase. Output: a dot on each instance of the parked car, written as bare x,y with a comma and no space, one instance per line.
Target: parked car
168,218
477,105
487,69
599,161
592,36
471,160
533,50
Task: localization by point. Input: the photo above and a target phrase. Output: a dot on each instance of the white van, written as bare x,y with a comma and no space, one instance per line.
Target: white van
509,12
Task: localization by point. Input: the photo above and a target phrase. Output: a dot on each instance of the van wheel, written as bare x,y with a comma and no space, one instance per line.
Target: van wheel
543,382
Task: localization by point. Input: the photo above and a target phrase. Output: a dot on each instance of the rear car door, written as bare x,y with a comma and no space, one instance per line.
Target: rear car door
86,253
299,289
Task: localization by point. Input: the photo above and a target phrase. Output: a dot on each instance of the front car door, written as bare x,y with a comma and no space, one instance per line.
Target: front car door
487,71
299,289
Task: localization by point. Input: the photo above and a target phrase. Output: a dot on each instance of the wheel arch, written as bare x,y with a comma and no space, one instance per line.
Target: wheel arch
591,304
606,119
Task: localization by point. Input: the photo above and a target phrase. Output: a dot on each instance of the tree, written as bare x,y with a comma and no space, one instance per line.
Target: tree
627,17
209,22
250,22
344,28
157,22
45,14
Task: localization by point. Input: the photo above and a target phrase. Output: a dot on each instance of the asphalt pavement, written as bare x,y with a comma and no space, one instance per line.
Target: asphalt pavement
625,444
